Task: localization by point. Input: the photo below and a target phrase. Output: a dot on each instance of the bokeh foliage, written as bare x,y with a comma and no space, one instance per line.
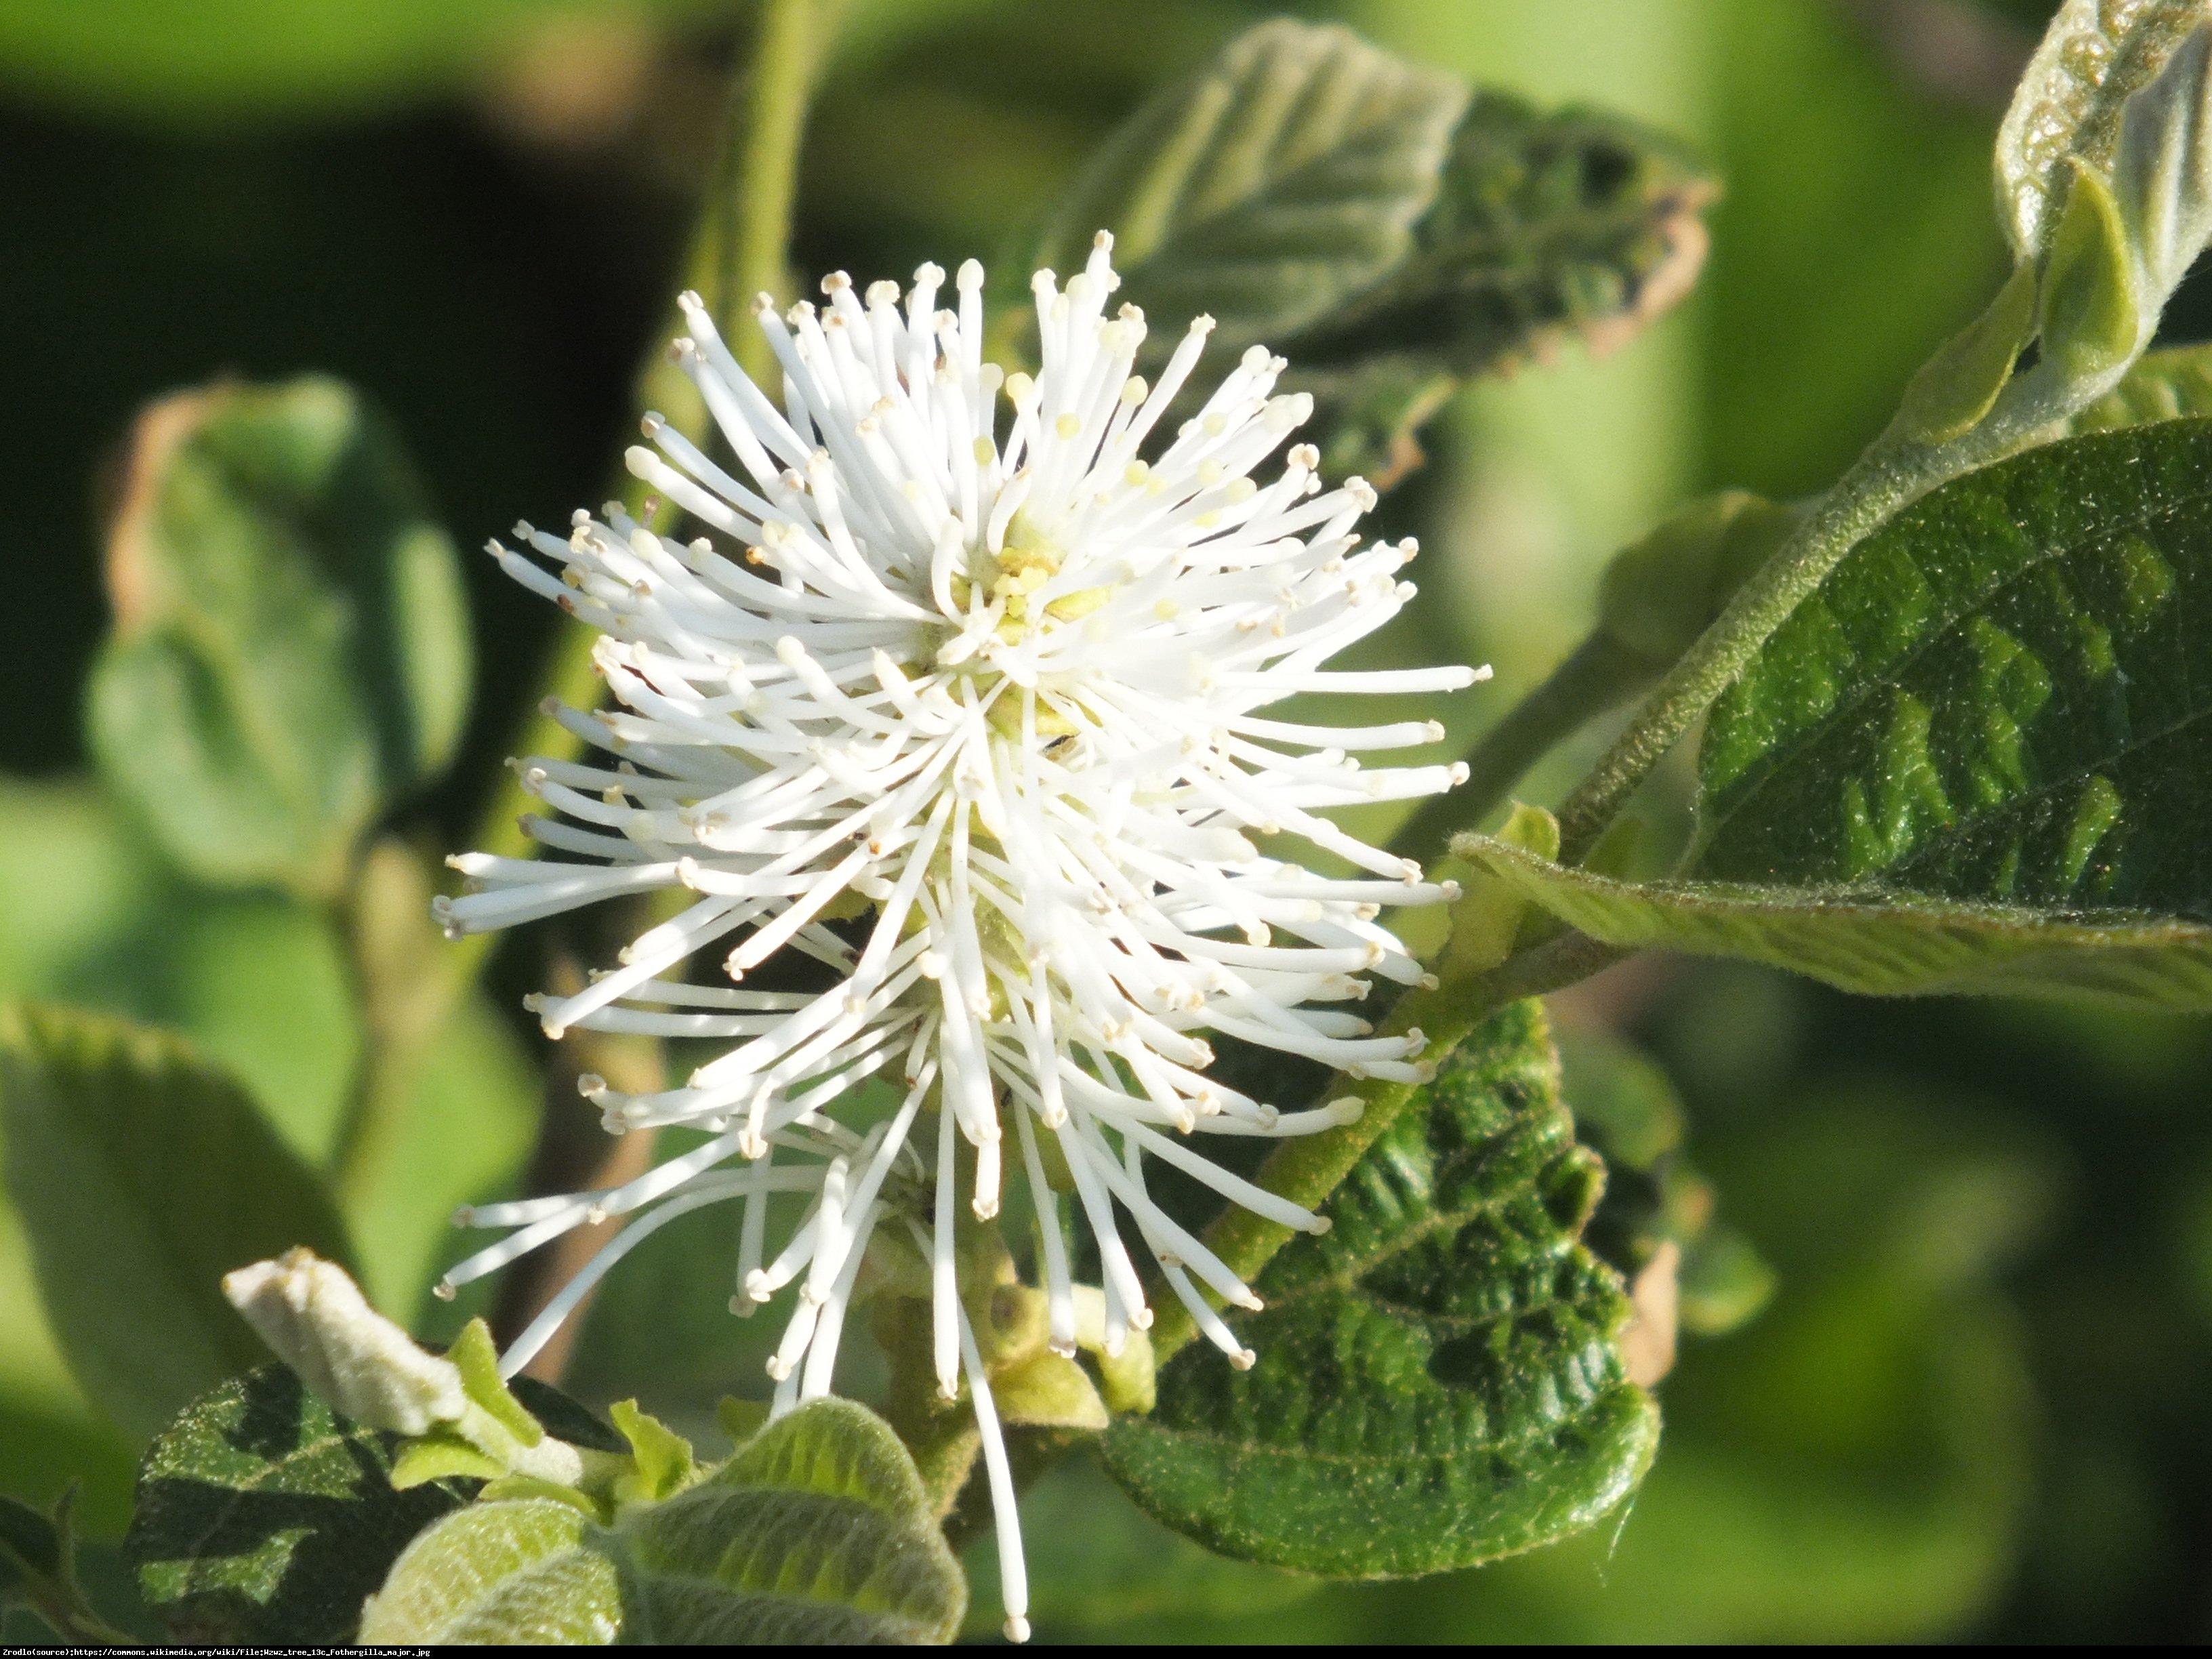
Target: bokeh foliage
1968,1408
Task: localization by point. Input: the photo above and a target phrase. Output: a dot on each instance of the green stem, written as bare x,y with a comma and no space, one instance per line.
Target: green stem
775,117
739,249
1308,1169
739,246
1888,477
1897,469
405,981
1599,674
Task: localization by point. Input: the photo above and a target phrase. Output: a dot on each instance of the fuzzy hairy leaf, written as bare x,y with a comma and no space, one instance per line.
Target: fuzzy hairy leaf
1283,178
1978,758
291,650
263,1517
1545,226
1438,1381
2070,101
817,1530
2164,386
1995,701
143,1175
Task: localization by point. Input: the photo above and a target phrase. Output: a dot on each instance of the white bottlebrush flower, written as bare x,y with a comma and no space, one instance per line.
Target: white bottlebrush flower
993,671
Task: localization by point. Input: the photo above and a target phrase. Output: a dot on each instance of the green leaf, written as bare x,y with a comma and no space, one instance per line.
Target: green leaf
2092,319
291,651
96,918
1957,385
143,1175
1993,702
1627,1112
1438,1382
1874,943
1546,228
475,1357
530,1571
1098,1565
2163,386
1659,593
263,1517
665,1465
1282,179
442,1454
817,1531
2070,103
1858,1465
30,1550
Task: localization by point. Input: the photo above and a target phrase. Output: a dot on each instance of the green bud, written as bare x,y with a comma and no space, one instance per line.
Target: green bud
1956,386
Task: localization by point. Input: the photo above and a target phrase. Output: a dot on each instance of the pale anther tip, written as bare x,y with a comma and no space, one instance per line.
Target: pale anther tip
444,1290
1018,1628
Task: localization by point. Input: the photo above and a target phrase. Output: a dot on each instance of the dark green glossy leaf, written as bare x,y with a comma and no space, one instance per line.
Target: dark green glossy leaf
1874,943
291,649
264,1516
1996,700
1282,179
1438,1382
817,1531
143,1175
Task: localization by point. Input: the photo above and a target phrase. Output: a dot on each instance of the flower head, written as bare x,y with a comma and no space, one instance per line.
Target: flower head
960,692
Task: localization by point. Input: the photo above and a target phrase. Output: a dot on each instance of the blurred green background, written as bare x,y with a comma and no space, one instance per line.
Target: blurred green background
1976,1408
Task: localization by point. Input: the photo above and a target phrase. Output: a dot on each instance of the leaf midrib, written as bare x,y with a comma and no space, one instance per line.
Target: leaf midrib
1775,760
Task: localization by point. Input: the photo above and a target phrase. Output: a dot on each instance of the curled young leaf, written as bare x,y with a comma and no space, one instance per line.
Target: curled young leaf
2094,56
1545,227
1281,179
